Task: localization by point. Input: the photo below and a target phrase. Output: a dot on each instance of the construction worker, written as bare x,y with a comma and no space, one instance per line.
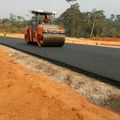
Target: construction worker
39,20
33,23
46,20
39,28
4,34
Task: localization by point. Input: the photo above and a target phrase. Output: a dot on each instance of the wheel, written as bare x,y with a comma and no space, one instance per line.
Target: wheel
39,40
27,40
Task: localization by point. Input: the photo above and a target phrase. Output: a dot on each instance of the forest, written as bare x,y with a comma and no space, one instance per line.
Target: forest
76,23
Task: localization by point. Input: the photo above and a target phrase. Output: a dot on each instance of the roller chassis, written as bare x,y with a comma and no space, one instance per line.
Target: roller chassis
45,35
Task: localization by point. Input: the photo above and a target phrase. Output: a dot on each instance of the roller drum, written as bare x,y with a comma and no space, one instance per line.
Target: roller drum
53,40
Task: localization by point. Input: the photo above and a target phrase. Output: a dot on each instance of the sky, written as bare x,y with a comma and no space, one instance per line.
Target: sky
23,7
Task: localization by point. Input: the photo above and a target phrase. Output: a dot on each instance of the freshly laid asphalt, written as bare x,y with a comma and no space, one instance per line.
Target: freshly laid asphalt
103,61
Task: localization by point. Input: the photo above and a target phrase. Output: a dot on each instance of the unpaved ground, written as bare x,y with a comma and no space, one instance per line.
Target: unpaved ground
26,94
96,91
17,35
99,41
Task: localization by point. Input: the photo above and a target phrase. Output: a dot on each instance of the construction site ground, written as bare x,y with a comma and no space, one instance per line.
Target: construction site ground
34,89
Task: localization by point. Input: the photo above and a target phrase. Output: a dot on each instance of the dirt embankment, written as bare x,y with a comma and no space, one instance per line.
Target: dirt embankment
101,41
95,90
29,95
17,35
107,39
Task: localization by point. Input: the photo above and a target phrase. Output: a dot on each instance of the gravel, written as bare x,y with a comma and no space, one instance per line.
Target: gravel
96,91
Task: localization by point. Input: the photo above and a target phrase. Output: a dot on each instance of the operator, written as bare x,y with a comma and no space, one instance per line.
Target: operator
39,20
46,20
33,23
39,26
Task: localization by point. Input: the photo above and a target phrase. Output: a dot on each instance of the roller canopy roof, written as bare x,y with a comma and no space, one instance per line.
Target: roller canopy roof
42,12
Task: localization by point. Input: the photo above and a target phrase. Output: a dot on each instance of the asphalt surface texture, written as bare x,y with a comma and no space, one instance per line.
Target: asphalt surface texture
102,61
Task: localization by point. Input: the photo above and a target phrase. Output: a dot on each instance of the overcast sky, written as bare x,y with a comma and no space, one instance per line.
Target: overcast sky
22,7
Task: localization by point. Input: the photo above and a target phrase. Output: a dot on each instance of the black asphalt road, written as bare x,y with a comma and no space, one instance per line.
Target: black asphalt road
103,61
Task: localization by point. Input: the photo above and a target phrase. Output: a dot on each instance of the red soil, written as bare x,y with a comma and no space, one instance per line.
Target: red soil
29,95
108,39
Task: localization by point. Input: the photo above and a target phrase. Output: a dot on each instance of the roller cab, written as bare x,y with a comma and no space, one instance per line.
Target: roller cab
43,31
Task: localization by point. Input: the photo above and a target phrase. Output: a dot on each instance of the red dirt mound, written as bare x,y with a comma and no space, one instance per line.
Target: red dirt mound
29,95
108,39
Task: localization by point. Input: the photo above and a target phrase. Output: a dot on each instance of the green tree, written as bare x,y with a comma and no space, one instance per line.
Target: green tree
70,19
97,18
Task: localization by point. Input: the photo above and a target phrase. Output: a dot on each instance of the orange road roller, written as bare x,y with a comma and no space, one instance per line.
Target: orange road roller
42,30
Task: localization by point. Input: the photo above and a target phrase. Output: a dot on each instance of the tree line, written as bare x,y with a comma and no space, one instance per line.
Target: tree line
89,24
76,23
13,24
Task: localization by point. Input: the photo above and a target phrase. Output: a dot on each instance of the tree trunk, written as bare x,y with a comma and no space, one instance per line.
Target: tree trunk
91,34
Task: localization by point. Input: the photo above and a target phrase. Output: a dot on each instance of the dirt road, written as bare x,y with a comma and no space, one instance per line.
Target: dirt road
29,95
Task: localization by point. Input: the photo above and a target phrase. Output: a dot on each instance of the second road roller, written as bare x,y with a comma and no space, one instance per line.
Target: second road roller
42,30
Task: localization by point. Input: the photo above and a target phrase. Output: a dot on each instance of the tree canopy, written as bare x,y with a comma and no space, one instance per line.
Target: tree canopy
89,24
12,24
75,22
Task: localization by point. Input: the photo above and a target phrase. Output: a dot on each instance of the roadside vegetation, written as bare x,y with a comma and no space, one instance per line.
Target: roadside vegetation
76,23
13,24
